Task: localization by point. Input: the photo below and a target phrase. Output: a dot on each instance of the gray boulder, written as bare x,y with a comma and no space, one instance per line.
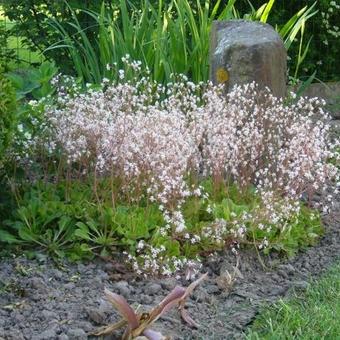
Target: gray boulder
244,51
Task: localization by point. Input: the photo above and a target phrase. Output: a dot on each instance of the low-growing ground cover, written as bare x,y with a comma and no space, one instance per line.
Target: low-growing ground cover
160,176
311,315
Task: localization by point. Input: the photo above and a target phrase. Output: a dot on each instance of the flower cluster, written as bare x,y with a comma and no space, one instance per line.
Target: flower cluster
331,29
125,131
255,139
150,260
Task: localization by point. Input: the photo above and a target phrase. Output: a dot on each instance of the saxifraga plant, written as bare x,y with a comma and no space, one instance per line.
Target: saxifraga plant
209,170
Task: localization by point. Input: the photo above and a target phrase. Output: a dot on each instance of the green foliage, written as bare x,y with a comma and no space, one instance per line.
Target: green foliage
33,82
67,219
6,54
228,203
170,37
63,220
167,36
301,231
30,20
134,222
44,222
92,233
8,112
312,315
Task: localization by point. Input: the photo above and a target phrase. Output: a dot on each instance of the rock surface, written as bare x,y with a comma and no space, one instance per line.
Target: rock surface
244,51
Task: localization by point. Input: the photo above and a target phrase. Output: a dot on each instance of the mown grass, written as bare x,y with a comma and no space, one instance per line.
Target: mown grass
312,315
23,56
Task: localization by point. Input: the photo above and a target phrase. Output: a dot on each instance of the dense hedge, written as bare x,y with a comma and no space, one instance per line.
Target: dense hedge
7,113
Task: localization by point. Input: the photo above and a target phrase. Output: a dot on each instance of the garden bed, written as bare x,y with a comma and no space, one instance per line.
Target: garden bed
44,300
163,203
121,167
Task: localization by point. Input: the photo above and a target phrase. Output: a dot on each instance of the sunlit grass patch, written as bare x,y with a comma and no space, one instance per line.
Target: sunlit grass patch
312,315
23,56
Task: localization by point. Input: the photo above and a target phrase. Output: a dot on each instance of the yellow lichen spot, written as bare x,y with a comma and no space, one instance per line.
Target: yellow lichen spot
222,75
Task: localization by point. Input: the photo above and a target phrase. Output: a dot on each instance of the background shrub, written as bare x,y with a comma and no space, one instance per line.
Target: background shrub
7,113
6,55
33,23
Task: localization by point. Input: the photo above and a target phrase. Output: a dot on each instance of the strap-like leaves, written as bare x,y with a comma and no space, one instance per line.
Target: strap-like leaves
138,325
123,307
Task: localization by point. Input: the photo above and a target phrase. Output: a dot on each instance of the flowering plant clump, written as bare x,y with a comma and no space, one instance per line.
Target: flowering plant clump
221,168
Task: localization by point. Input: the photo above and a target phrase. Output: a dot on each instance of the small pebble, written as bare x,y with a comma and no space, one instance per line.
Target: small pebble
96,315
152,289
122,287
77,334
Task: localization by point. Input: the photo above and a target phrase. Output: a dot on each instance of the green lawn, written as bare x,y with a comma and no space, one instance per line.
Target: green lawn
24,55
312,315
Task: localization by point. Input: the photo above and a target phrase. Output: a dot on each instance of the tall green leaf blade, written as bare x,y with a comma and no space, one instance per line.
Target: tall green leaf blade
268,8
